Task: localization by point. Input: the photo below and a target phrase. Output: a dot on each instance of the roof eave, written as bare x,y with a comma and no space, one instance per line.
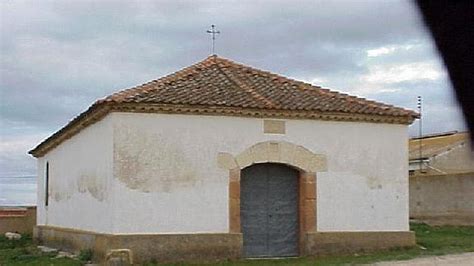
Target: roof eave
101,108
93,114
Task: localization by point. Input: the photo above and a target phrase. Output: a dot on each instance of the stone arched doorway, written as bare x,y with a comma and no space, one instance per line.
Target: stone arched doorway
269,210
278,152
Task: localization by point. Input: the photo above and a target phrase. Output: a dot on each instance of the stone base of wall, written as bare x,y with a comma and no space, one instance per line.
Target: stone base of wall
326,243
71,240
180,247
200,247
209,246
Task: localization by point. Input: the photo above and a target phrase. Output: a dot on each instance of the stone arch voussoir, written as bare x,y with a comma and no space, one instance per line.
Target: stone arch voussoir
275,152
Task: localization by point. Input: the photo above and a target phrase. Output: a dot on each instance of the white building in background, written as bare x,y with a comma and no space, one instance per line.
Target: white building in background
220,160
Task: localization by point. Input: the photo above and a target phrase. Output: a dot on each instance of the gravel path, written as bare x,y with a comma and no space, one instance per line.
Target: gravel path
458,259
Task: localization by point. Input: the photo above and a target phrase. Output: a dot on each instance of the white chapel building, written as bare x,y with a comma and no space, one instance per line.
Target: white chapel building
224,161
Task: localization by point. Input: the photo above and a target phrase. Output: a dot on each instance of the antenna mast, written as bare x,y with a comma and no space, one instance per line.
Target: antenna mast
420,134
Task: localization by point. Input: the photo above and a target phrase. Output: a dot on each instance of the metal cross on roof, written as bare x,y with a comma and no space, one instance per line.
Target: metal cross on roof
213,31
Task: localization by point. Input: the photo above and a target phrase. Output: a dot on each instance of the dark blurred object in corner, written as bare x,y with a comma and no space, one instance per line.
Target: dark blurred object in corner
452,26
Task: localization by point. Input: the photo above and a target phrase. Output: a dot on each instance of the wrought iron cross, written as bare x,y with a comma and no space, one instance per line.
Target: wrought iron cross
213,31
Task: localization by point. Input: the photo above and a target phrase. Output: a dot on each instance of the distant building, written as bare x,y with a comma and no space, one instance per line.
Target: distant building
442,192
444,153
17,219
221,161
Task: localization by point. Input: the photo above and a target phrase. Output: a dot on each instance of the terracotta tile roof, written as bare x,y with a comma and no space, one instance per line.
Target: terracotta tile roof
218,86
219,82
436,144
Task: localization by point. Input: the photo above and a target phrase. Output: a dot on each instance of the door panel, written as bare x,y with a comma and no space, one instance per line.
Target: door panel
283,207
269,210
253,212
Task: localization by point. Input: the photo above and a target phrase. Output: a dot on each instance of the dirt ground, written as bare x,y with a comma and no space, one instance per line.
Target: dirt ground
458,259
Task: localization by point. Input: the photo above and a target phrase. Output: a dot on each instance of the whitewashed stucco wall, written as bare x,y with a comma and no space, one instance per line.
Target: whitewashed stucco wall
80,172
166,178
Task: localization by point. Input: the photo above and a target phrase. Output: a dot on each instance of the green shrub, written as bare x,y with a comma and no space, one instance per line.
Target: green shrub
85,255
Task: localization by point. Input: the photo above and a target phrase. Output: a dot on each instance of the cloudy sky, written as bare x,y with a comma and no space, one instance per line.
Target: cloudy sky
57,57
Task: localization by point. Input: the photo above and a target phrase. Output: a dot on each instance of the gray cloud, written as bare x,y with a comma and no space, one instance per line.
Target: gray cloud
58,57
440,111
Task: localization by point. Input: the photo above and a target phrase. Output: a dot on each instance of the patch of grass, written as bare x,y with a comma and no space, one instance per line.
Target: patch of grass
22,242
445,239
24,252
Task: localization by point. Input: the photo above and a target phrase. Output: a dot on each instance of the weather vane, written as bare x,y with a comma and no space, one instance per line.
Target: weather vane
213,31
